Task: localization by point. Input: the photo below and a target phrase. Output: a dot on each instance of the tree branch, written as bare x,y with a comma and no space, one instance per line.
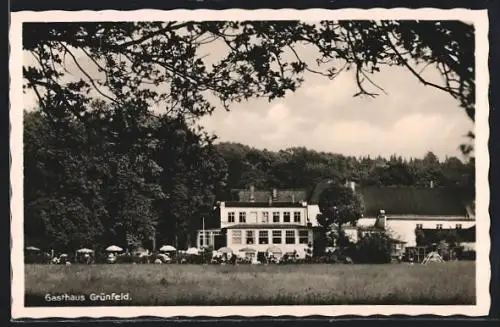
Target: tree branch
146,37
415,73
87,74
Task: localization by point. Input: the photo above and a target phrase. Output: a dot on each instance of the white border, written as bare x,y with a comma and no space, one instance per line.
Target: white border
483,274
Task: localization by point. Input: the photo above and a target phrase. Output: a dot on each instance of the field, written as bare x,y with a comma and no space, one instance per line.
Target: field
149,285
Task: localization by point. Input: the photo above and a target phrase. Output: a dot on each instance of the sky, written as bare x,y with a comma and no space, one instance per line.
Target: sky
323,115
409,120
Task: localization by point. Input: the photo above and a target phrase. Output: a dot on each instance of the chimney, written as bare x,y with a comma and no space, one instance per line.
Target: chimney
431,184
270,200
275,194
382,219
293,197
252,193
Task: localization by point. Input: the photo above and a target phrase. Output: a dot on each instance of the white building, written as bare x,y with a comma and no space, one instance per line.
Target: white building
250,225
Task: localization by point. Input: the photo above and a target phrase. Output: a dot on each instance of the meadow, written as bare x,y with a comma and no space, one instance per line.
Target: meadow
316,284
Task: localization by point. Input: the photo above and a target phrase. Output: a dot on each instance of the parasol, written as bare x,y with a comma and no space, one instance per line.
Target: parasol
247,250
274,249
114,248
167,248
194,251
225,250
85,250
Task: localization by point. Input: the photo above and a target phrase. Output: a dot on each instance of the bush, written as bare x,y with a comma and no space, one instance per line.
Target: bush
375,248
36,257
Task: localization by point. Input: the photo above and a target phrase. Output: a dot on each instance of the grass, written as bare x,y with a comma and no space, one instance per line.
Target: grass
148,285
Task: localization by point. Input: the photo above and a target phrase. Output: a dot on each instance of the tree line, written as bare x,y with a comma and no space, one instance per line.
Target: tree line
304,168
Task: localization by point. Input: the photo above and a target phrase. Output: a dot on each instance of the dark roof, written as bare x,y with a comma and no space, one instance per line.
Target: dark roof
234,204
283,195
267,226
438,201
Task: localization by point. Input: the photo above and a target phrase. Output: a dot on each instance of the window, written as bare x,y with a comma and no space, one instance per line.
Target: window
303,237
276,217
243,217
459,226
263,237
265,217
439,226
290,237
419,226
296,217
250,237
230,217
286,217
276,237
236,236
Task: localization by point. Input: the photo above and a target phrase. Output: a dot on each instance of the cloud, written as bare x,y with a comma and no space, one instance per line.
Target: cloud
409,121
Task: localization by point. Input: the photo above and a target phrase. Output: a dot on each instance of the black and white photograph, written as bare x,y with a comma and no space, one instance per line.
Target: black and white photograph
266,162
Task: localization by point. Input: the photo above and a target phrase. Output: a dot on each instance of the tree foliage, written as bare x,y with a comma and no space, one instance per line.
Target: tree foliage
339,205
82,191
138,64
304,168
373,248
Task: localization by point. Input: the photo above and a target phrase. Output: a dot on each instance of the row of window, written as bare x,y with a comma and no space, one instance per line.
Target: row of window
440,226
263,237
276,217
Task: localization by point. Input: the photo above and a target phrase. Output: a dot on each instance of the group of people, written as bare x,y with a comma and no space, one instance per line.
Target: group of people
251,258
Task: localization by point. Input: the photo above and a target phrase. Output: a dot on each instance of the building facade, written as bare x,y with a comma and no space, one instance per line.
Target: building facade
281,227
251,226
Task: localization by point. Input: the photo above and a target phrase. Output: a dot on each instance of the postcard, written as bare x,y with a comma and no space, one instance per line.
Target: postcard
249,163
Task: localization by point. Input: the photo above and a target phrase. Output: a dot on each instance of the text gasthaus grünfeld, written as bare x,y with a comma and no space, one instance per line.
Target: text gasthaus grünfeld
94,297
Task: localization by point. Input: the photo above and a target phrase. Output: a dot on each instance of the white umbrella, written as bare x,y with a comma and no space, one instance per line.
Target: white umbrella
194,251
85,250
248,250
274,249
114,248
167,248
225,250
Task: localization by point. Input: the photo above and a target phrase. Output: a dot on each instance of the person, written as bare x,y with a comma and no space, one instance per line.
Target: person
86,258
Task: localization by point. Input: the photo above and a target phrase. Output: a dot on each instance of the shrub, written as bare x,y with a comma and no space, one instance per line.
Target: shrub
374,248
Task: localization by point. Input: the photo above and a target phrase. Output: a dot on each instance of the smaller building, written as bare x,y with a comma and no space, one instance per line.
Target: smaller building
400,211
